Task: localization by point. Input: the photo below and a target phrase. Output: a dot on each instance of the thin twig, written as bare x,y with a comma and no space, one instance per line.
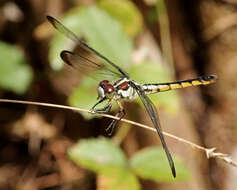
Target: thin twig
210,152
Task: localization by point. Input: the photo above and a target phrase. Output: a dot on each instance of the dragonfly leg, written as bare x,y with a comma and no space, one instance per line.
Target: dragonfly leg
112,125
105,109
100,101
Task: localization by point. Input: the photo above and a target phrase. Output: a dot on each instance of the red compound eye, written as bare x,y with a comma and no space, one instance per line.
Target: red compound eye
109,88
104,82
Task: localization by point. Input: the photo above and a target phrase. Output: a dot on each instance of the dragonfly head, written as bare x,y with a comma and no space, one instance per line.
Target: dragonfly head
105,89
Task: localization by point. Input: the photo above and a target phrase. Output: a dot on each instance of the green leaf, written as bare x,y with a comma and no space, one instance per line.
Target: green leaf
150,72
107,159
102,32
152,163
126,13
120,178
15,74
99,155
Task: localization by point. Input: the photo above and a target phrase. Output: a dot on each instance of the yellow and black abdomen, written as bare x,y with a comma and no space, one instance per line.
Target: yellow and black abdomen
161,87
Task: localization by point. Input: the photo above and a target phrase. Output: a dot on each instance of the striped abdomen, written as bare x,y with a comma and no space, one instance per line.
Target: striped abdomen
161,87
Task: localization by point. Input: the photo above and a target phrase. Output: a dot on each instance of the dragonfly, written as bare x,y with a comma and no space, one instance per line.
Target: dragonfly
116,85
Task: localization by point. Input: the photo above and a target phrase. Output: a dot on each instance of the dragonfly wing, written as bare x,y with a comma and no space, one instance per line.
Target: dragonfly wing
151,109
88,67
60,27
104,61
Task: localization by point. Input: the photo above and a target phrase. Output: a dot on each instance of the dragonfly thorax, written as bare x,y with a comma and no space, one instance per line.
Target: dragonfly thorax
124,89
105,89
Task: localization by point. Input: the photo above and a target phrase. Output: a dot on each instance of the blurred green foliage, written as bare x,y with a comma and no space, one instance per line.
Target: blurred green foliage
152,163
105,158
15,74
97,155
151,72
120,178
126,13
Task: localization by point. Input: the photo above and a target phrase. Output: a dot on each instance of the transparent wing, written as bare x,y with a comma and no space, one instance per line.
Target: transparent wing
77,60
86,66
151,109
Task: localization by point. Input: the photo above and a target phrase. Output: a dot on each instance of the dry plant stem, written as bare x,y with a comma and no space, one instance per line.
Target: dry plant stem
210,152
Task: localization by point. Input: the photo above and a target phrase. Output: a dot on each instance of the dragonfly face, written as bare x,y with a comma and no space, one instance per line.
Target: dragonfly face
105,90
124,87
